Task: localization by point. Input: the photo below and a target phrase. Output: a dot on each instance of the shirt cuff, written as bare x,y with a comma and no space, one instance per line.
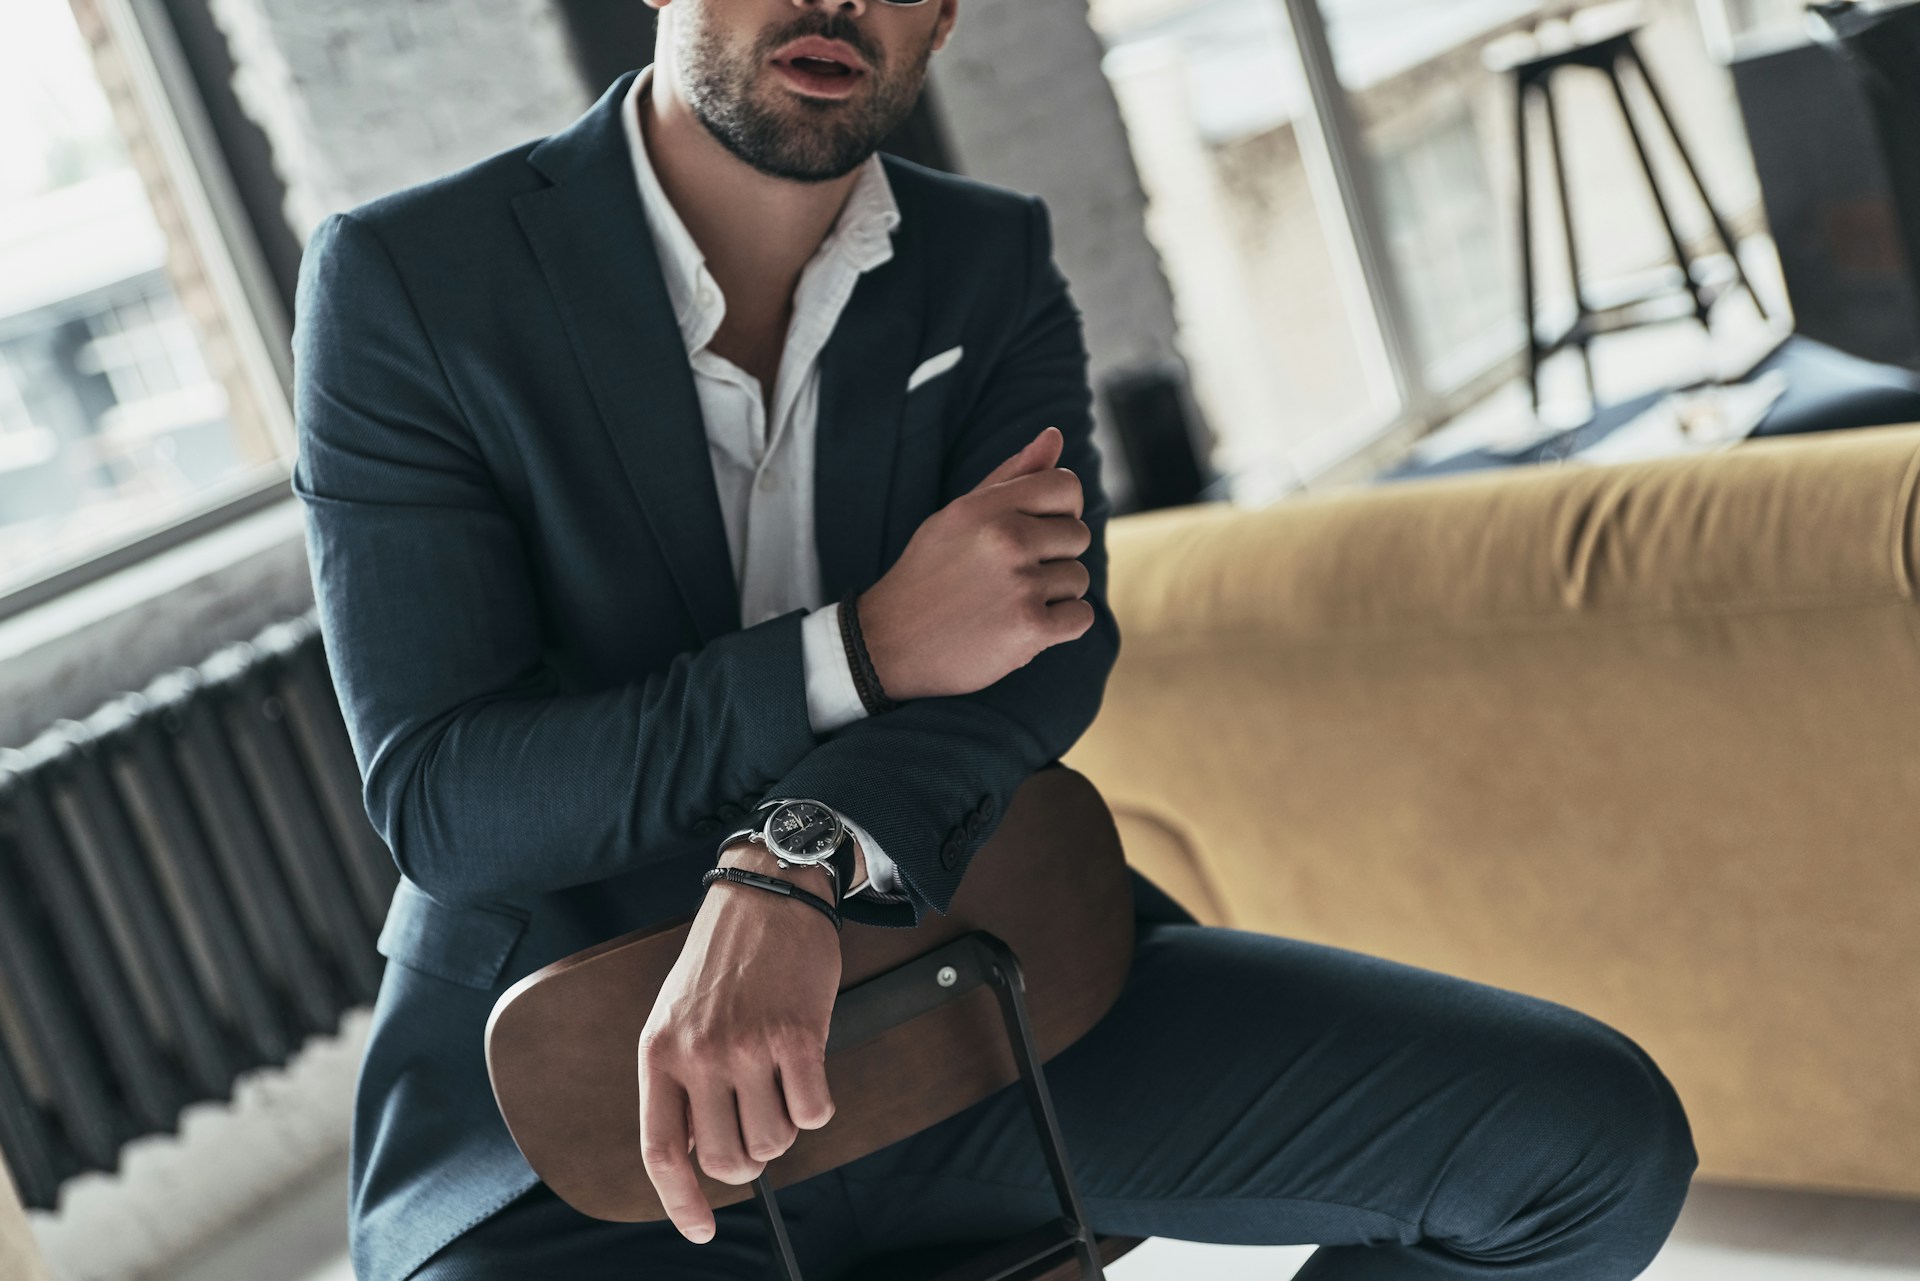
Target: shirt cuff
832,698
883,876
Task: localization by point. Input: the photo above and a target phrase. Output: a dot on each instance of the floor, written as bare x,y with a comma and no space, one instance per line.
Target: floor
1724,1234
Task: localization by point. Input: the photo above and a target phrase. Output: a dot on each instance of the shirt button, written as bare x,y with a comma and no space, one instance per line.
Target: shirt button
768,482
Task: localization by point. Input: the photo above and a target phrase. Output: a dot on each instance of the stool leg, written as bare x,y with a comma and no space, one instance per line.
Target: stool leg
1719,224
1580,334
1526,242
1653,184
786,1267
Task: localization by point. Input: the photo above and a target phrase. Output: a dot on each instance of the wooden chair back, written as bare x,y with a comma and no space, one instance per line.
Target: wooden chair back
1051,883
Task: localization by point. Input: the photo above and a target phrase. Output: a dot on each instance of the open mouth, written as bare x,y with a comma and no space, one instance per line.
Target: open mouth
820,66
820,77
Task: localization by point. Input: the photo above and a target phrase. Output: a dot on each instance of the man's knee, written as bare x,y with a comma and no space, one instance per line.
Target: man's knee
1583,1156
1652,1157
1625,1148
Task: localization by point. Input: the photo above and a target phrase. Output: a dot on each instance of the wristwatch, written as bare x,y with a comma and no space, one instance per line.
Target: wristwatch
799,831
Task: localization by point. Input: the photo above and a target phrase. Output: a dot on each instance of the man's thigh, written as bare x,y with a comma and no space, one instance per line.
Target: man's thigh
1253,1089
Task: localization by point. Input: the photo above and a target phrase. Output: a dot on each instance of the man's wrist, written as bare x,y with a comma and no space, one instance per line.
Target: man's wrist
860,663
757,858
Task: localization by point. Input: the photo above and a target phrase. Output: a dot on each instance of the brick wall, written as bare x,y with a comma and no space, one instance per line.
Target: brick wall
361,97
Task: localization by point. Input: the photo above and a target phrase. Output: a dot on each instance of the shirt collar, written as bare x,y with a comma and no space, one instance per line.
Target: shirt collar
862,232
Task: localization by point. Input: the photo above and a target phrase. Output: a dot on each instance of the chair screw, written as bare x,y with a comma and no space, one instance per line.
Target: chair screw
947,976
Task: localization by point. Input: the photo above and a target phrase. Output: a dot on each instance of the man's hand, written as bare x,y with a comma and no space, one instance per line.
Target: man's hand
733,1057
985,583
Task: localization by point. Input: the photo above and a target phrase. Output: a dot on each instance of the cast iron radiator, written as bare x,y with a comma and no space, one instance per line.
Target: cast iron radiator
189,888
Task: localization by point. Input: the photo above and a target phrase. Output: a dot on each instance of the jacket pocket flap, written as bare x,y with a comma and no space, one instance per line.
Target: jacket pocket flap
464,945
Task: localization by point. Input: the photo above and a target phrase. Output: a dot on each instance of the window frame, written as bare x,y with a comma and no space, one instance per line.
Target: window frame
171,104
1346,187
1340,167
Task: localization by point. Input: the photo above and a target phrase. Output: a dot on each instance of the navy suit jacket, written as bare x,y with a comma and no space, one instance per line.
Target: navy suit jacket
528,605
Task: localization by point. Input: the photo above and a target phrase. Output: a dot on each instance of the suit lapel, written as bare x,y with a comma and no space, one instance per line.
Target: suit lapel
863,394
590,235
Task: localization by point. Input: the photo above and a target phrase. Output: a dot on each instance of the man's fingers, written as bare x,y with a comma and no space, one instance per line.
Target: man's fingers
764,1124
1062,579
1041,452
664,1136
803,1077
717,1144
1069,619
1050,491
1057,537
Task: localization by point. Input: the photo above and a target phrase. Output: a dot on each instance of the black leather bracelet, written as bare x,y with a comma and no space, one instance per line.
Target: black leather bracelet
773,884
866,680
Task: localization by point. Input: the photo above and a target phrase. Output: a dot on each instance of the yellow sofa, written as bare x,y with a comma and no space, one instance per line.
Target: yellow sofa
1642,738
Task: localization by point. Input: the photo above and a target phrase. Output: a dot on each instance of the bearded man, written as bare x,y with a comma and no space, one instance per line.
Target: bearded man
602,440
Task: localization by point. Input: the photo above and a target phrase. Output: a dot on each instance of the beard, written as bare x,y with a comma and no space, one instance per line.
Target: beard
781,133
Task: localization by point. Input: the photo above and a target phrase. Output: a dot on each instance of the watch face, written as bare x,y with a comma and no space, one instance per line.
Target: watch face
803,832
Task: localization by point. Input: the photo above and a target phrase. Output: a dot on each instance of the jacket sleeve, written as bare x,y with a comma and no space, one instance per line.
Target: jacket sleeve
485,778
930,778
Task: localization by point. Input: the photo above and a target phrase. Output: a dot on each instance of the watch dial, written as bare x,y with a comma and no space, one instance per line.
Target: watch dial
803,831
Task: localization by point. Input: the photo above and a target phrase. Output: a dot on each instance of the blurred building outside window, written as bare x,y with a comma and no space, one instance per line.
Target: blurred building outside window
137,388
1284,341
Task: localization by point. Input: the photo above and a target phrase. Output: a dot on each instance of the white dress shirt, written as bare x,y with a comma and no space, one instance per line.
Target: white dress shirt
764,468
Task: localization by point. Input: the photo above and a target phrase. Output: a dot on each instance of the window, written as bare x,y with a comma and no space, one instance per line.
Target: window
1275,327
1437,202
1332,185
139,383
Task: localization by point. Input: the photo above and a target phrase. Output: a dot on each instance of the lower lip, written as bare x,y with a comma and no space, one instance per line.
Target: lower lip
825,86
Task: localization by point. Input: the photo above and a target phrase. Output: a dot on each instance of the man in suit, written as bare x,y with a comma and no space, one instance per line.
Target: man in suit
600,438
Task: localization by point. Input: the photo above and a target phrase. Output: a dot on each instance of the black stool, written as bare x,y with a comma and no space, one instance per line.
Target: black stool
1607,55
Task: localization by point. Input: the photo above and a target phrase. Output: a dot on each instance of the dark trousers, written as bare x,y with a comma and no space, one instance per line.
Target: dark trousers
1245,1089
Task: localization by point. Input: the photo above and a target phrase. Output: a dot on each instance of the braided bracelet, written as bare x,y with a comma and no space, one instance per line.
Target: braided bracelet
866,680
773,884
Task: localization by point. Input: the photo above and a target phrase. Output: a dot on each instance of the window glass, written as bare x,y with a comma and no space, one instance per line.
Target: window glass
128,397
1436,118
1274,319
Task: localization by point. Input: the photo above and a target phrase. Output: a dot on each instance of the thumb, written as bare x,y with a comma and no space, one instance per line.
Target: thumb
1038,454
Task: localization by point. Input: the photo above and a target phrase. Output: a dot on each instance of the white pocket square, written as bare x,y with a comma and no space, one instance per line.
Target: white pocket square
933,366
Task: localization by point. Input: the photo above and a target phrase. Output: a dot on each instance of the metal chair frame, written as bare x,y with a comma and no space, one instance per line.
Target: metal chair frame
946,974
